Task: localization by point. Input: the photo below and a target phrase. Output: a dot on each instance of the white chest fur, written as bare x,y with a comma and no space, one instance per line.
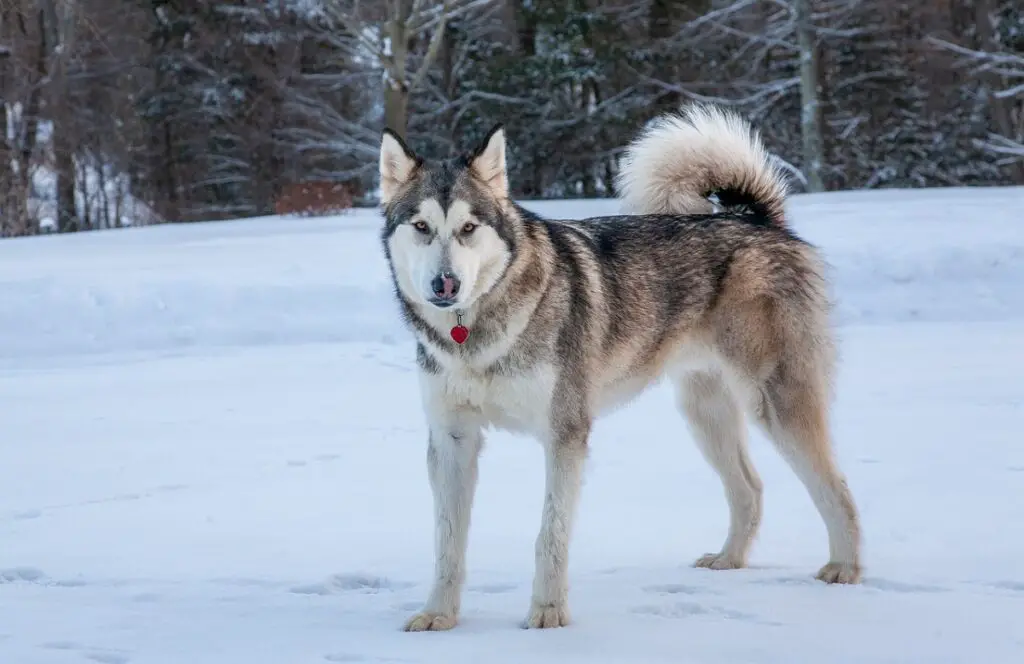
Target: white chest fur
520,403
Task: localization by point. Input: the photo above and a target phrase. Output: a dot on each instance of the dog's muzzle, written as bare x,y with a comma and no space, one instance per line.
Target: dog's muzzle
445,288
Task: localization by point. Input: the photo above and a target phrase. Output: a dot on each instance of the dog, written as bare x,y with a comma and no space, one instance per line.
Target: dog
539,326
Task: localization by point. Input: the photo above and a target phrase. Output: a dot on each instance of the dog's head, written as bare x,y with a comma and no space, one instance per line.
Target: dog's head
449,225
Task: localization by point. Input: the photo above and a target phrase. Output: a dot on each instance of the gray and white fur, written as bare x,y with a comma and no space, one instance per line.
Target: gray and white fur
570,319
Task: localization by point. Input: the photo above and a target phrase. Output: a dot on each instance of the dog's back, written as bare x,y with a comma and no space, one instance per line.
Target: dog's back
676,284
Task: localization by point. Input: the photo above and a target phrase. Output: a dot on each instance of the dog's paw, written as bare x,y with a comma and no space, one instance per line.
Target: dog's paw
544,616
428,621
718,561
835,572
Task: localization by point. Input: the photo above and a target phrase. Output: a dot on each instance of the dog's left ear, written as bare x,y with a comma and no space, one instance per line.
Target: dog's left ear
487,162
397,165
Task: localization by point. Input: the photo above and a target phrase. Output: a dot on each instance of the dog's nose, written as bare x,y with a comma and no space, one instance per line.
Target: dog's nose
445,285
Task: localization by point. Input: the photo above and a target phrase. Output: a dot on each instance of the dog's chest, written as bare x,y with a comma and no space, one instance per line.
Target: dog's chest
519,402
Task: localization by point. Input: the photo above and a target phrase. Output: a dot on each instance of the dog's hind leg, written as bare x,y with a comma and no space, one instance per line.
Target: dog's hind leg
771,324
452,460
717,424
794,415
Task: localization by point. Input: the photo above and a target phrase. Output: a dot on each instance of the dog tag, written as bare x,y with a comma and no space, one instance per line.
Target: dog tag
460,333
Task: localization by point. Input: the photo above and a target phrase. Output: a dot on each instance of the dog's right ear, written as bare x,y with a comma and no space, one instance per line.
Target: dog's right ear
397,165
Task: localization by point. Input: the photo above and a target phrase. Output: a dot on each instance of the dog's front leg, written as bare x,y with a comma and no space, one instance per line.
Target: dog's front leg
452,455
565,454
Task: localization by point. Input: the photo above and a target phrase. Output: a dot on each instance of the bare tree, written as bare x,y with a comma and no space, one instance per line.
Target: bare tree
59,19
1003,83
22,78
387,38
810,96
449,97
191,110
1001,73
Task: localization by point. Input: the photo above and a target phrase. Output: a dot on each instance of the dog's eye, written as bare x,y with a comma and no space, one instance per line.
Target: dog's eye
421,226
468,227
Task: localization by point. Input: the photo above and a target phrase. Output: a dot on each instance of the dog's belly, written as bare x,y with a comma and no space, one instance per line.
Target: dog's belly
620,384
619,392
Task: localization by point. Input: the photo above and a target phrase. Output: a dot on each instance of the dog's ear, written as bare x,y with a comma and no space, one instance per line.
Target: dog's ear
397,165
487,162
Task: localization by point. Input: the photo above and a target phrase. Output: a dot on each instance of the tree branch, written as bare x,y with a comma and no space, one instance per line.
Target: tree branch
432,50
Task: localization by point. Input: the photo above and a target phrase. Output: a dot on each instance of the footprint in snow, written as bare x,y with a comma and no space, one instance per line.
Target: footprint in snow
900,587
347,657
1013,586
94,655
690,609
15,574
346,583
107,657
795,581
677,589
683,610
60,645
320,458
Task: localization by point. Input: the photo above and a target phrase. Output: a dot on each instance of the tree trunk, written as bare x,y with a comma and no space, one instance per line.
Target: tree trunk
659,22
526,28
64,170
168,167
396,84
449,84
531,184
810,105
59,28
9,214
396,106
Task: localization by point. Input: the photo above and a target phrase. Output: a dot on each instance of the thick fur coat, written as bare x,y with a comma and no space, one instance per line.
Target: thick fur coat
569,319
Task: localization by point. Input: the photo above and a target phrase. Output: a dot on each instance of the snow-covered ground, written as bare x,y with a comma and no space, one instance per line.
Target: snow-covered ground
211,451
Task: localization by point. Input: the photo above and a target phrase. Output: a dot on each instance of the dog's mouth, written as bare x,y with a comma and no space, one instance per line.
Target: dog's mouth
441,302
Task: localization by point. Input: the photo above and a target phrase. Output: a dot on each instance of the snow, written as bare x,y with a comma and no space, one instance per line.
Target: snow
212,452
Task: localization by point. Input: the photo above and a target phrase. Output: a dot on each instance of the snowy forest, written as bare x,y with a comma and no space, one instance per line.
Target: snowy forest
130,112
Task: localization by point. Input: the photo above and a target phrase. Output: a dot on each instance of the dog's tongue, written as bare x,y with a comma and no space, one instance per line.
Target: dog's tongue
460,333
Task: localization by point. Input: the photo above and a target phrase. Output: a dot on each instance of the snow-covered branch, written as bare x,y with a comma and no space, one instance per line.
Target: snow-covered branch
1003,145
1002,63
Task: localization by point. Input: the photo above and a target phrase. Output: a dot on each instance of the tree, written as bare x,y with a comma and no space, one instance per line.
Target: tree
22,79
810,95
1000,72
204,109
60,29
388,38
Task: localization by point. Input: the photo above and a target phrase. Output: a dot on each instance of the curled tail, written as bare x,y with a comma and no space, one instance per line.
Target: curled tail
681,159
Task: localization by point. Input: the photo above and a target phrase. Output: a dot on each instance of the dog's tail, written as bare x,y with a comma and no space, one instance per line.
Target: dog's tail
680,160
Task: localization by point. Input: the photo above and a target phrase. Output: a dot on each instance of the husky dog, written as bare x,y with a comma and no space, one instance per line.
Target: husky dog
538,327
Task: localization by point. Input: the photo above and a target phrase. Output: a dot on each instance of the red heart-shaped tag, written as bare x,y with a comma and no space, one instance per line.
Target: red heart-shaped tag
460,333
